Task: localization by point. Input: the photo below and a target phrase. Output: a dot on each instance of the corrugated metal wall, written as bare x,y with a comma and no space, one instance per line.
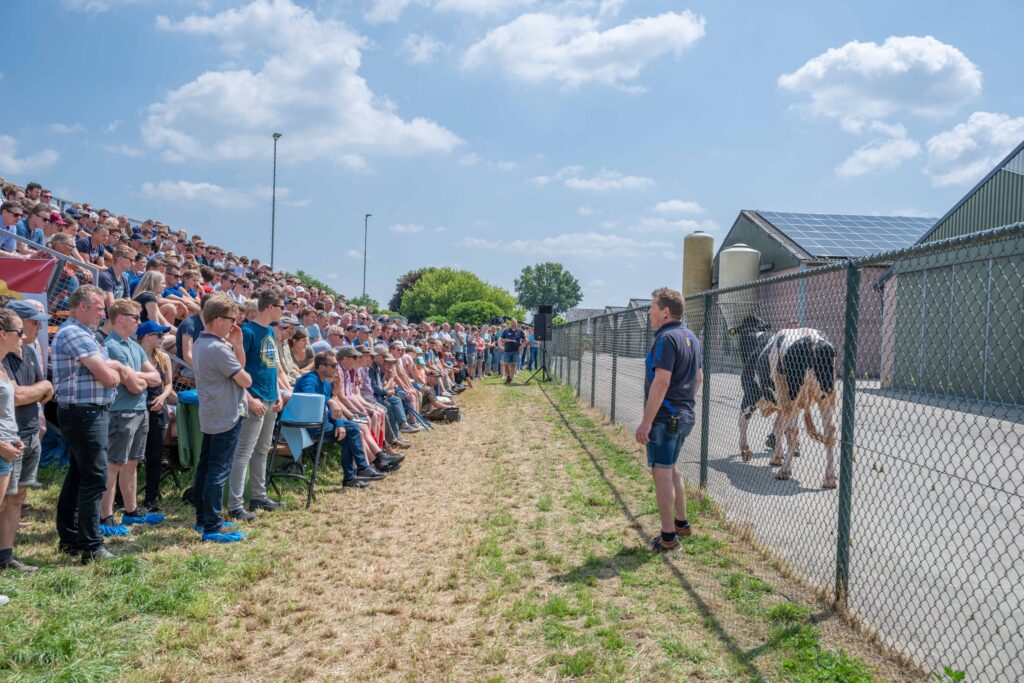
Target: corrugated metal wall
998,202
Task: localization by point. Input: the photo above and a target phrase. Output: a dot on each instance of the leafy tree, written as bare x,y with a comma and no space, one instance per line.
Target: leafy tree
365,300
404,284
438,289
558,320
474,312
548,283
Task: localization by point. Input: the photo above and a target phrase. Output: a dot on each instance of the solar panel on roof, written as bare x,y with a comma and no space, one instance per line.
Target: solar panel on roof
833,235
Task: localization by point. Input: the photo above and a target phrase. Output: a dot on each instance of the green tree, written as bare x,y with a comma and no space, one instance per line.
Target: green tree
365,300
404,284
548,283
438,289
474,312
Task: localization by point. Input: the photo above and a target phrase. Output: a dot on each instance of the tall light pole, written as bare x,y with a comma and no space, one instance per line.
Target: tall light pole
273,202
366,224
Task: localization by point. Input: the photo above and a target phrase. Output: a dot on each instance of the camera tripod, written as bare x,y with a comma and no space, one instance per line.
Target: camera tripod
543,369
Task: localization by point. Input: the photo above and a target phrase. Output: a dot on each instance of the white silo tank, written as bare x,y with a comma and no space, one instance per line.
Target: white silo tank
737,265
698,258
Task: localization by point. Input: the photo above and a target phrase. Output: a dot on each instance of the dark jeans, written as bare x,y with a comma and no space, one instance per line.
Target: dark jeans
211,473
84,428
155,454
534,351
352,453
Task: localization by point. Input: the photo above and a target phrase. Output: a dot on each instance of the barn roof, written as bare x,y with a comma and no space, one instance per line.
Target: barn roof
824,236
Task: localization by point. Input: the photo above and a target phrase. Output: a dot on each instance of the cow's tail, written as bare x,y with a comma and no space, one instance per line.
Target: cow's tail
823,363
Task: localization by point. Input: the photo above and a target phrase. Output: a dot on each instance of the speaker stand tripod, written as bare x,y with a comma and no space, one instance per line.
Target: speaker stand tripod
543,369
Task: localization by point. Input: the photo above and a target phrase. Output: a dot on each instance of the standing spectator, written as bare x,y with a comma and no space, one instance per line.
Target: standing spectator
221,381
30,389
512,338
534,349
264,403
84,380
150,336
129,419
115,281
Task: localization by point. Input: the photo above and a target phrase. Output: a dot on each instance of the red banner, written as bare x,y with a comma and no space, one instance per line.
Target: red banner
25,278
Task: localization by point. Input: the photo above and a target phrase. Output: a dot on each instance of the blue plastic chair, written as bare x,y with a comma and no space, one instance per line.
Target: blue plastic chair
302,413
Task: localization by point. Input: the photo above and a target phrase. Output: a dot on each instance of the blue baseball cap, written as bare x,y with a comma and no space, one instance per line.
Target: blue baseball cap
27,311
150,327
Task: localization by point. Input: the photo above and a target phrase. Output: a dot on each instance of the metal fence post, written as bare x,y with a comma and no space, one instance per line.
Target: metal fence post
615,364
705,410
593,361
580,361
846,432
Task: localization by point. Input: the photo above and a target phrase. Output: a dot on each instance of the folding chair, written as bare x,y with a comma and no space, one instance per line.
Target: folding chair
302,413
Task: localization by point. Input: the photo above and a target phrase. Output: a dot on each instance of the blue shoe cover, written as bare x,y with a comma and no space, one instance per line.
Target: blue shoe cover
114,530
227,525
231,537
146,518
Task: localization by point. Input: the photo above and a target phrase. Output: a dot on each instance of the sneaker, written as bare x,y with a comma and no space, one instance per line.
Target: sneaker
684,530
140,517
241,515
4,600
409,429
659,545
18,565
386,459
355,484
369,474
264,504
151,507
225,527
69,549
110,527
401,443
98,555
231,537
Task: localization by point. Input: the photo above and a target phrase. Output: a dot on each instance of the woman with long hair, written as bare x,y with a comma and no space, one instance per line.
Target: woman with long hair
298,346
11,446
148,293
151,338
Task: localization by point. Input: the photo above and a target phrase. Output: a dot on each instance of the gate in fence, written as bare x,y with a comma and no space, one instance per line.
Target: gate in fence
923,538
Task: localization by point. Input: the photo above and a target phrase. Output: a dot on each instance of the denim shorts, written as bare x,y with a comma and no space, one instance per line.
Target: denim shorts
5,467
26,466
663,448
509,356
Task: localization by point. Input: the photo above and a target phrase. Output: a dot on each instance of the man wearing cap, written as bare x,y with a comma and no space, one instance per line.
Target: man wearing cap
264,403
354,406
383,381
30,390
129,418
84,380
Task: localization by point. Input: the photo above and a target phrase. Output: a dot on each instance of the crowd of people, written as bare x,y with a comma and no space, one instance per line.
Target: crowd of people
141,312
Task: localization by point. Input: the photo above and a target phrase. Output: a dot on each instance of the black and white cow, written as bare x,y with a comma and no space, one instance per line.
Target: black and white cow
784,374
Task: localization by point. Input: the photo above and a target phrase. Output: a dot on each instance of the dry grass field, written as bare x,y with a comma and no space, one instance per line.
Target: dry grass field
510,547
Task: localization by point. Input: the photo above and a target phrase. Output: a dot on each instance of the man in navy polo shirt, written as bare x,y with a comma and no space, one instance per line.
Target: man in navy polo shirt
672,378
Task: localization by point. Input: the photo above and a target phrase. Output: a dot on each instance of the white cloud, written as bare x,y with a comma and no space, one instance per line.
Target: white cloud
664,225
480,7
112,126
11,164
585,245
420,48
471,159
354,253
386,10
506,165
65,129
440,228
353,162
97,6
573,51
965,153
406,228
678,206
574,177
880,154
585,211
203,193
305,84
124,150
866,81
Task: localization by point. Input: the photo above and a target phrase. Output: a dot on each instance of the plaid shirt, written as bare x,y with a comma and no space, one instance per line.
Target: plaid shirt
72,381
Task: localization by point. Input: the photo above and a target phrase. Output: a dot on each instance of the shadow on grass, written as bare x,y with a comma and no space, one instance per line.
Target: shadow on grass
611,566
744,657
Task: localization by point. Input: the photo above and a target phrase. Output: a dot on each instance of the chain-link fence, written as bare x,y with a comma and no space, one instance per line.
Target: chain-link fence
907,369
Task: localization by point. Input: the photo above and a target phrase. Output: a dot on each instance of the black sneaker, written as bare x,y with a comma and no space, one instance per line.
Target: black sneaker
241,515
264,504
98,555
369,474
386,459
151,507
69,549
355,484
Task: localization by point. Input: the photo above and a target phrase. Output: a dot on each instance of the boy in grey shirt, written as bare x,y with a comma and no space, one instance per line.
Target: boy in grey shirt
218,360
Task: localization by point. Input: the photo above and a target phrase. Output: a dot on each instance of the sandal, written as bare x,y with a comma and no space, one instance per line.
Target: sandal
658,545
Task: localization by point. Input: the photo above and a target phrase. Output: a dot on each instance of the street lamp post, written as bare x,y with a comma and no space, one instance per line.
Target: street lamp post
366,224
273,203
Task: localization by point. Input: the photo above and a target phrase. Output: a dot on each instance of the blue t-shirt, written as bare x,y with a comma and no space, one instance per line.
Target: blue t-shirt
260,360
313,332
676,349
108,281
512,339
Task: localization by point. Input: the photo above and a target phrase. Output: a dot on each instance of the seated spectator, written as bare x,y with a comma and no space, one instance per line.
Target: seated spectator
31,389
302,354
115,281
435,409
93,247
147,293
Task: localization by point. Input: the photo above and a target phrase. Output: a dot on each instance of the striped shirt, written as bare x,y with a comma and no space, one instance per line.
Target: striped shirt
72,381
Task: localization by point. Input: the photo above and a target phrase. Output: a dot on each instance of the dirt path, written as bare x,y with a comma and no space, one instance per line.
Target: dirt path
506,549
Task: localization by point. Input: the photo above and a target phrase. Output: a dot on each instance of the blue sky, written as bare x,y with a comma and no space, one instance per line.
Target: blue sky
494,134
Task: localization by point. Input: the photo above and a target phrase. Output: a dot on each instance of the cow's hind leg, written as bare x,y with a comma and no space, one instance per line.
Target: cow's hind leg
745,453
792,434
827,408
777,441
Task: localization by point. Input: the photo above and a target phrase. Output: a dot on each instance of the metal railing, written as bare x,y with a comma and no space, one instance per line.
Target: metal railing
923,539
